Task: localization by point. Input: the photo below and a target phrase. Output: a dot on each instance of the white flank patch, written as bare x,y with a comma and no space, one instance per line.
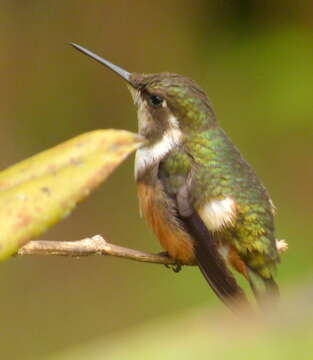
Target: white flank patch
148,155
218,213
281,245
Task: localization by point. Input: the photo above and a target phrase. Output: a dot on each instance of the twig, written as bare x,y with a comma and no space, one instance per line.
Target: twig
97,245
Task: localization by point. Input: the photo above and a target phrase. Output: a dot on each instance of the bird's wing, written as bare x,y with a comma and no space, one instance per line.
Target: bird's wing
228,196
176,181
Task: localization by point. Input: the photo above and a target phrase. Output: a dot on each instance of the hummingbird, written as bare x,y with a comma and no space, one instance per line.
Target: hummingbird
204,202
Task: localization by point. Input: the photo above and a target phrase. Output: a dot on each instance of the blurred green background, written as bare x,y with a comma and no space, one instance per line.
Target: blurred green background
253,58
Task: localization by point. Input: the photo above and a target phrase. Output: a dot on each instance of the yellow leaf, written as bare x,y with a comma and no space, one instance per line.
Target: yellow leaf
38,192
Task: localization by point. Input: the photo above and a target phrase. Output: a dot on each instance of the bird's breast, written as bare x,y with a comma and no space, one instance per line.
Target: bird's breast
158,210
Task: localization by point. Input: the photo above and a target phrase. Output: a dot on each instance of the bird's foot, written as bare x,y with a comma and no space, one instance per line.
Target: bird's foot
175,267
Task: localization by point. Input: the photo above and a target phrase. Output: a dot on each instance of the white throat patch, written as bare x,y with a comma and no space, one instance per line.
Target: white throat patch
151,154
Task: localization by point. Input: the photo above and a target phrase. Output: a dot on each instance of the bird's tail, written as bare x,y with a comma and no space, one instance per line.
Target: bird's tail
213,267
265,290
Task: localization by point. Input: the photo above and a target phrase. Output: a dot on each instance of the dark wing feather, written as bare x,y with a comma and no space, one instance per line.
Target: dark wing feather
209,260
211,263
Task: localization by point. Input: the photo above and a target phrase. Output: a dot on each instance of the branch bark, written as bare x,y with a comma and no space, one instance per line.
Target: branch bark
97,245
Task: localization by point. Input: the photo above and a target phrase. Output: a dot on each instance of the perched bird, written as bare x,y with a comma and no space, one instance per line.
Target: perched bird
203,201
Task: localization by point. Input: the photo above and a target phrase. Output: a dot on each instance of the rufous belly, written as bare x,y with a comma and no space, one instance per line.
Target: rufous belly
157,211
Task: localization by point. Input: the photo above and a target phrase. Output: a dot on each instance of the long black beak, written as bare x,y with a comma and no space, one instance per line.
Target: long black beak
119,71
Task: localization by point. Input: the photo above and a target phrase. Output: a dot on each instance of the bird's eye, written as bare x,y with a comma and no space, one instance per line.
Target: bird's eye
155,101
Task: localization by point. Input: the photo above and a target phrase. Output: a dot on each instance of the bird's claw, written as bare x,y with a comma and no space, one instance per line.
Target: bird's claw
175,267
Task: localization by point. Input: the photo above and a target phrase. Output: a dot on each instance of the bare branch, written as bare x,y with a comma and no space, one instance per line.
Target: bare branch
95,245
